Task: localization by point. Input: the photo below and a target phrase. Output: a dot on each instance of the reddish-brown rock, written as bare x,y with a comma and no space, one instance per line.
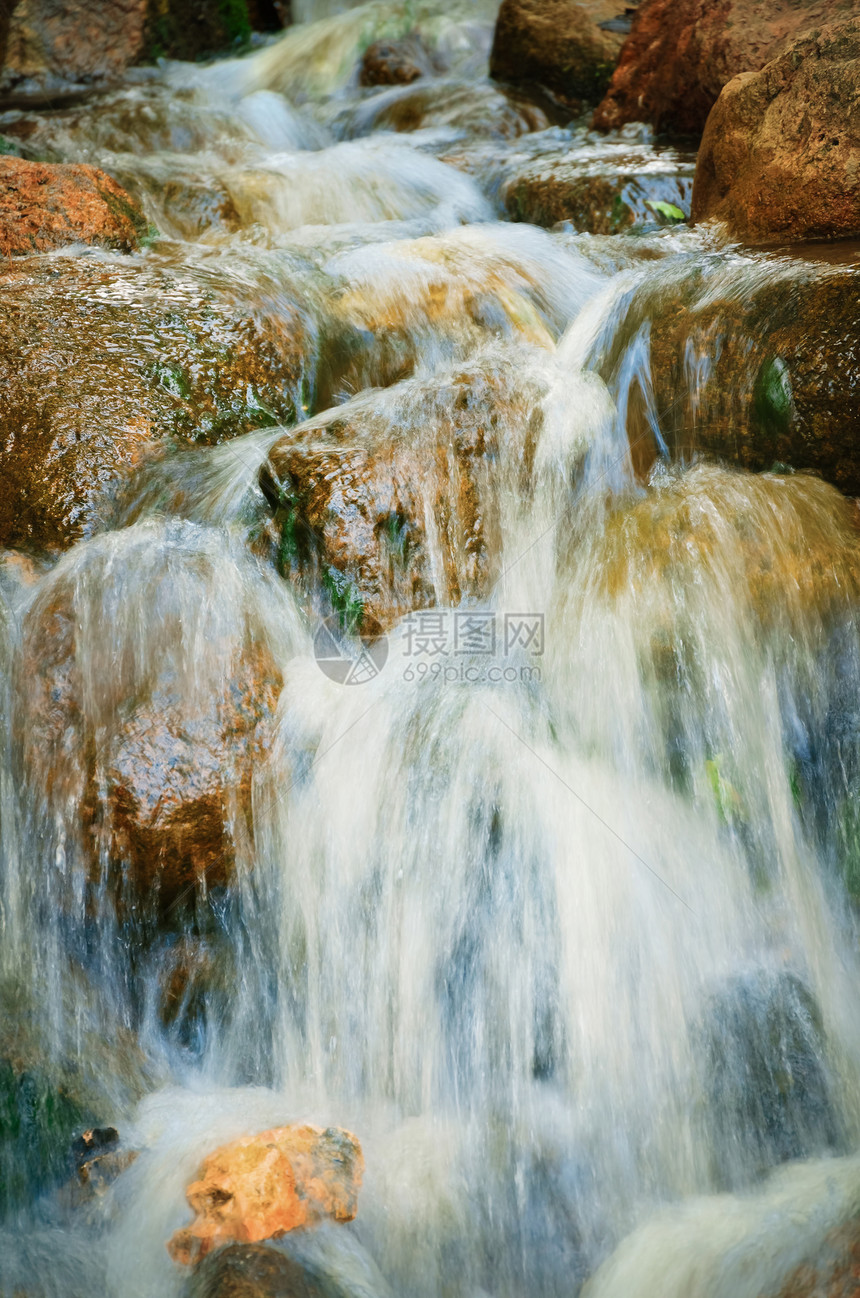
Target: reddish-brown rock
43,206
262,1186
393,498
835,1273
85,41
780,157
393,63
101,360
556,44
681,53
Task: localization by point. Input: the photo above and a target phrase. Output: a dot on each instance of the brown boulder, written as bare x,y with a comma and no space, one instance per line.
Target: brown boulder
556,44
44,206
90,40
599,201
757,370
101,359
393,498
834,1273
251,1271
681,53
780,157
262,1186
393,63
151,741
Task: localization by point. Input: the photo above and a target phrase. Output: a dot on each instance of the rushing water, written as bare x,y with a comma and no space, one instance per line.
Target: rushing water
555,909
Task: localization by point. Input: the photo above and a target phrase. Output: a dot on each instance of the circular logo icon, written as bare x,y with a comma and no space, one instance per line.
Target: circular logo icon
350,659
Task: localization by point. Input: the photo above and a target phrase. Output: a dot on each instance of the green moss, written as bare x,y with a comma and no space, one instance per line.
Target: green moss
38,1122
235,21
772,397
345,600
125,210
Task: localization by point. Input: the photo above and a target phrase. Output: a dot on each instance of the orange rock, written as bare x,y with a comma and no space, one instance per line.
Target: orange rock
43,206
262,1186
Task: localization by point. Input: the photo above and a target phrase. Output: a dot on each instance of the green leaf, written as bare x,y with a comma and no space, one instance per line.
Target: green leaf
668,210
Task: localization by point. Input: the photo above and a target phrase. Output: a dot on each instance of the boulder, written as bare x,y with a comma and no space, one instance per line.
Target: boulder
392,500
44,206
50,43
143,746
780,156
681,53
757,370
261,1187
558,45
834,1272
393,63
101,360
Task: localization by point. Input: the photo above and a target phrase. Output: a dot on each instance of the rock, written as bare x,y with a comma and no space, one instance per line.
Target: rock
393,63
44,207
262,1186
100,360
251,1271
392,499
99,1161
50,43
602,198
39,1118
834,1272
761,374
558,45
681,53
780,157
154,809
478,109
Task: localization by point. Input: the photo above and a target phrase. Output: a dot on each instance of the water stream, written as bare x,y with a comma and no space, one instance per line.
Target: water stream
554,907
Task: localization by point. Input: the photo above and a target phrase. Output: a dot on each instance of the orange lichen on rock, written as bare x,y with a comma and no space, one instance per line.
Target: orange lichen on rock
43,206
265,1185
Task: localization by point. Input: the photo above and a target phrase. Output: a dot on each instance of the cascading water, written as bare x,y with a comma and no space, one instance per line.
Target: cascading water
554,906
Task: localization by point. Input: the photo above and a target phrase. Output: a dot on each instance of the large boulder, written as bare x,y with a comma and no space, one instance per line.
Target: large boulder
50,42
102,359
681,53
44,207
780,157
145,695
393,499
263,1186
557,44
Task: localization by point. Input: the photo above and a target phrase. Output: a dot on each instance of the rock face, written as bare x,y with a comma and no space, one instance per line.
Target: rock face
393,500
44,207
681,53
263,1186
780,157
51,42
182,714
100,360
556,44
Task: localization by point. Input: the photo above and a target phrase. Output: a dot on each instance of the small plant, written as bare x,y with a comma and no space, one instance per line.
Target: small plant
668,211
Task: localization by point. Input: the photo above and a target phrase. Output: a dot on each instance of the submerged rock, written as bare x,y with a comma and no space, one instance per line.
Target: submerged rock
681,53
557,44
262,1186
251,1271
44,206
393,63
102,360
780,157
392,500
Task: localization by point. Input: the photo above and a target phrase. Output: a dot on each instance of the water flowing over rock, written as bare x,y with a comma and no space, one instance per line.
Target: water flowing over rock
780,157
44,207
98,366
681,53
557,44
261,1187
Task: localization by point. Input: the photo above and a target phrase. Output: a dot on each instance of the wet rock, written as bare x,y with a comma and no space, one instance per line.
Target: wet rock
558,45
51,44
44,207
599,200
39,1118
393,63
764,379
157,757
251,1271
262,1186
101,360
100,1160
392,499
835,1270
780,157
477,108
681,53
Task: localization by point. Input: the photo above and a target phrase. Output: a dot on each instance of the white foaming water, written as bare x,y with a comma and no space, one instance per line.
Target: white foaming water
555,920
